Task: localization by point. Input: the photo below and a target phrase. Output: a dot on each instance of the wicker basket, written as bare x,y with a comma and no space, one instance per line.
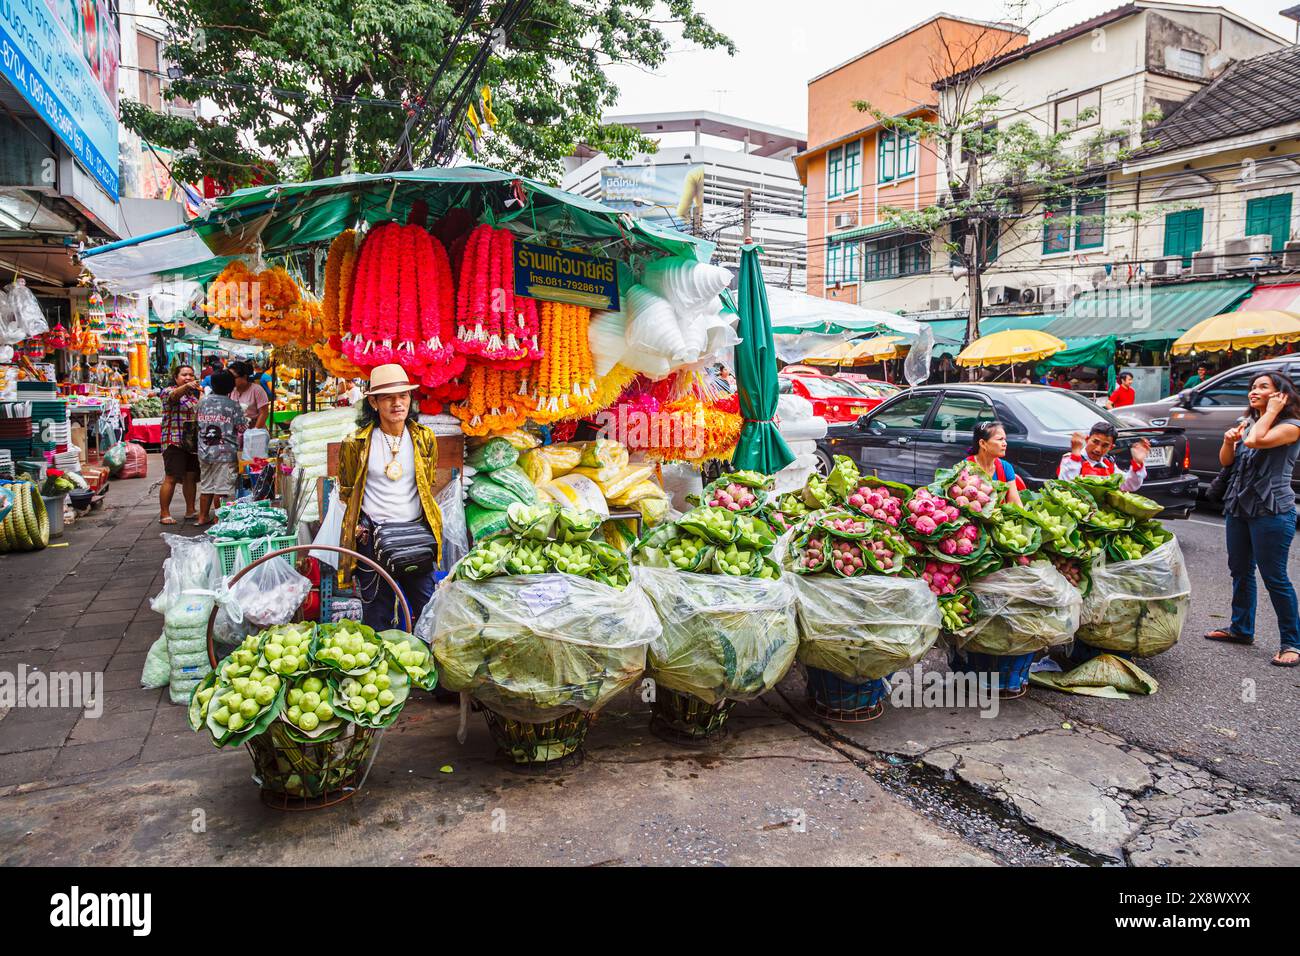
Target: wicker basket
303,776
686,719
834,698
543,743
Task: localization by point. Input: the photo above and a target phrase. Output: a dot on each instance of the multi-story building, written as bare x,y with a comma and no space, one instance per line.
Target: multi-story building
855,168
698,180
1114,70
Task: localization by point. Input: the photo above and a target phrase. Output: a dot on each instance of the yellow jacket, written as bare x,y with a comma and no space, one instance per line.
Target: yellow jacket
354,462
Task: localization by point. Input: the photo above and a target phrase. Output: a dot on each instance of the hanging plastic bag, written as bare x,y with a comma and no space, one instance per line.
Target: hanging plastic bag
271,593
1138,607
331,532
27,311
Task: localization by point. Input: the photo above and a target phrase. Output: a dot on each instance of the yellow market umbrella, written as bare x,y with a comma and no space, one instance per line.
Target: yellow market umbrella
863,352
1239,330
1010,346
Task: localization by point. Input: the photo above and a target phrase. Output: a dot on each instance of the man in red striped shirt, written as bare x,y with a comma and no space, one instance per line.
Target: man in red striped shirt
1090,456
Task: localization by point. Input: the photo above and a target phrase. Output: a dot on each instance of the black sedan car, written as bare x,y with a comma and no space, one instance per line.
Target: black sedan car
921,430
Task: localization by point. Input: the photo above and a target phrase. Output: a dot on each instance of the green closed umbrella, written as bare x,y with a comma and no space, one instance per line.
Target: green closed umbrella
761,447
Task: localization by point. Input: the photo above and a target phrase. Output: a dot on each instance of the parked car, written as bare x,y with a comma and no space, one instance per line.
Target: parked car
833,398
921,430
1209,409
875,387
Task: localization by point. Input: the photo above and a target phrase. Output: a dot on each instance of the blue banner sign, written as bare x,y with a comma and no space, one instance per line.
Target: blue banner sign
38,58
560,275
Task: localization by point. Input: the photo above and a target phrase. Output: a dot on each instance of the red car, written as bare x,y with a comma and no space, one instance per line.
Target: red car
833,398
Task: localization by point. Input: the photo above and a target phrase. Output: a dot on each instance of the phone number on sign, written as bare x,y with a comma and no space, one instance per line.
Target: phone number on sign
559,282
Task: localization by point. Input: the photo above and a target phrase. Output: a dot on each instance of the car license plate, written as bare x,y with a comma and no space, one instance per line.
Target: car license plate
1159,456
859,409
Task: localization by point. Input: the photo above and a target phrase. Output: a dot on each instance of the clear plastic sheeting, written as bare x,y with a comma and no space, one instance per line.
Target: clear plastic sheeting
535,647
270,593
1020,610
724,638
1138,607
190,580
865,628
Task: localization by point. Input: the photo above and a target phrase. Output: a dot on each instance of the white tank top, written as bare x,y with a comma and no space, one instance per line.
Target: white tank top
387,500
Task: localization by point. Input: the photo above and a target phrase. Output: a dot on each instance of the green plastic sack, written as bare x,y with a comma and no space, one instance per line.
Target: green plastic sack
487,493
513,480
497,453
485,522
115,459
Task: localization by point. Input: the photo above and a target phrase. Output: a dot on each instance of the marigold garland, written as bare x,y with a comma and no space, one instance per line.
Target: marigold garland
268,306
494,401
563,381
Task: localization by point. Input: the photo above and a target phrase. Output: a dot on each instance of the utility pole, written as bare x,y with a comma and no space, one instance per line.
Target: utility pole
747,212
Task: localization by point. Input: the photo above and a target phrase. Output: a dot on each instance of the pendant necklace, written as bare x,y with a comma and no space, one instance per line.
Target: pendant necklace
394,469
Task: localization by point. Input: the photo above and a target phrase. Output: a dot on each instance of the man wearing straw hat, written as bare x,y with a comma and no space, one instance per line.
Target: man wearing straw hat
386,477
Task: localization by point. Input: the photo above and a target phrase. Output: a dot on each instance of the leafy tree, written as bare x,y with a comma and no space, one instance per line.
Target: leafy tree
321,87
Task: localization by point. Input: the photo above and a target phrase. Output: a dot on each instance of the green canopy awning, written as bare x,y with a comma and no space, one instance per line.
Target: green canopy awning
761,447
289,216
1148,313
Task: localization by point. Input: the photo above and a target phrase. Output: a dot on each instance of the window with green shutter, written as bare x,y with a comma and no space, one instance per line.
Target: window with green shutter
886,149
906,155
833,263
852,162
1183,234
1271,216
834,170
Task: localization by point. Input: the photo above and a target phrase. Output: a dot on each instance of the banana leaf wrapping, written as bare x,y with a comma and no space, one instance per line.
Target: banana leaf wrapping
533,522
1097,486
713,524
1056,522
756,483
1021,609
1151,533
724,637
1001,536
867,527
817,494
865,628
1138,607
536,647
1076,502
844,477
977,555
1106,521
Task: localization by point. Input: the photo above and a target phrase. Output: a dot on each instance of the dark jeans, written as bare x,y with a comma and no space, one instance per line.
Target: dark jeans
379,608
1264,543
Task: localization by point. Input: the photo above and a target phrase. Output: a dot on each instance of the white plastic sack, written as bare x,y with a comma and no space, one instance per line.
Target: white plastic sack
865,628
270,593
1020,610
793,407
688,284
795,475
157,668
724,637
330,533
535,647
1138,607
26,310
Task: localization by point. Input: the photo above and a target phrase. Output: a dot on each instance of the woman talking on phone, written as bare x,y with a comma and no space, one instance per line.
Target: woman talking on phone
1259,511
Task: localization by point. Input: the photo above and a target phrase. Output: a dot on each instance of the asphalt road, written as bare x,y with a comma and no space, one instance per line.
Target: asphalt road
1221,706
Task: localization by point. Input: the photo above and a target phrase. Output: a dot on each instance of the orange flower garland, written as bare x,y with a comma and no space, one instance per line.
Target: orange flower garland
564,380
340,268
494,403
267,306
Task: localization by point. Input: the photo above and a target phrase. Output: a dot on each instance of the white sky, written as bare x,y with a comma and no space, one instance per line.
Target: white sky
782,44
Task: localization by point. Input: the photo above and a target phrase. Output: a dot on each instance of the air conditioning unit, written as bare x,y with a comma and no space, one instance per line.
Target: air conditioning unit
1001,295
941,304
1046,294
1205,262
1291,254
1028,296
1072,291
845,219
185,112
1168,267
1249,252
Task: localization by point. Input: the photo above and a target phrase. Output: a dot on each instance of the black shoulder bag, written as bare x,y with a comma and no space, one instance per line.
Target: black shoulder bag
406,547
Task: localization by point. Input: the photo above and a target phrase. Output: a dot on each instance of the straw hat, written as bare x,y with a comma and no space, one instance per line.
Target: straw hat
389,380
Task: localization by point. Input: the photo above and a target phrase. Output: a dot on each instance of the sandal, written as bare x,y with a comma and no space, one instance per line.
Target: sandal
168,520
1228,637
1295,658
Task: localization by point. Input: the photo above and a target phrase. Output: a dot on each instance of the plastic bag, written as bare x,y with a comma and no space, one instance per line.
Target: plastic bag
331,531
249,519
270,593
865,628
534,647
1138,607
157,668
136,463
724,638
688,284
455,533
115,459
1020,610
26,310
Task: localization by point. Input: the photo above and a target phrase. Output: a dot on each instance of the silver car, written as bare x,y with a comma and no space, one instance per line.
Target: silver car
1207,410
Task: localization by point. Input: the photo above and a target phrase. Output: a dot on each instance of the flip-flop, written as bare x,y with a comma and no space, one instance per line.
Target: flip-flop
1228,637
1290,650
168,520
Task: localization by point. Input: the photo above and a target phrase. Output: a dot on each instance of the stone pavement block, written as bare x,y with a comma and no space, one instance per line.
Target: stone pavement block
77,759
127,661
140,640
72,652
36,728
135,698
26,766
96,632
177,741
150,629
128,724
95,617
119,604
89,663
59,615
28,639
10,661
1241,837
122,679
61,597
